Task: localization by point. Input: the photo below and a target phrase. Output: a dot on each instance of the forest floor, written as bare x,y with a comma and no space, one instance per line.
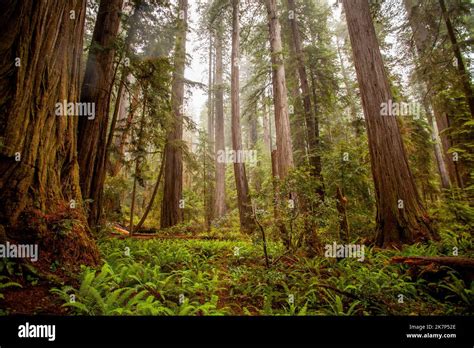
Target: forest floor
196,275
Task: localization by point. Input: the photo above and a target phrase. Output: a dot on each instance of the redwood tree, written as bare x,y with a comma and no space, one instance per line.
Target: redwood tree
247,223
313,142
219,197
96,89
284,152
40,60
171,213
401,217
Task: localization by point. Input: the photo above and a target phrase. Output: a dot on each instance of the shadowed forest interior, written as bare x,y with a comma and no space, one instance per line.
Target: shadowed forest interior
237,157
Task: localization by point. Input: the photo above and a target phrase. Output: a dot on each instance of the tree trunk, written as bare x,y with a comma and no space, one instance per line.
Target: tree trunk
121,141
119,117
153,195
40,56
341,203
357,123
317,158
313,143
421,39
266,125
122,92
96,89
171,213
138,160
210,138
280,99
463,73
295,101
253,127
219,203
401,218
247,223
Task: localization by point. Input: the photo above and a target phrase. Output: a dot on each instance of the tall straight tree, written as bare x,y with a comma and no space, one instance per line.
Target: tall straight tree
284,153
247,223
463,73
401,217
219,197
96,89
313,143
210,134
40,66
171,212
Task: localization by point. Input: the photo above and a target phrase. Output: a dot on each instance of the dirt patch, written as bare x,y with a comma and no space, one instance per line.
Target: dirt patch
31,299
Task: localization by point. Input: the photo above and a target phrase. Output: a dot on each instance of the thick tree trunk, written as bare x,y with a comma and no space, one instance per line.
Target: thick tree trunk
401,218
171,213
219,203
247,224
40,56
280,98
96,89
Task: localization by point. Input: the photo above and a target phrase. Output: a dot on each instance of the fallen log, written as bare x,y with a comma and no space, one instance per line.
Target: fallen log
121,231
451,261
463,265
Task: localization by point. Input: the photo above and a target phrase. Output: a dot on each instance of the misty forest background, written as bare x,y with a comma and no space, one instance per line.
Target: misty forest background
135,214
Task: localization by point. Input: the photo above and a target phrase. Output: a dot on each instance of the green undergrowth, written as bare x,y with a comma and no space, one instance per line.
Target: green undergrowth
216,277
